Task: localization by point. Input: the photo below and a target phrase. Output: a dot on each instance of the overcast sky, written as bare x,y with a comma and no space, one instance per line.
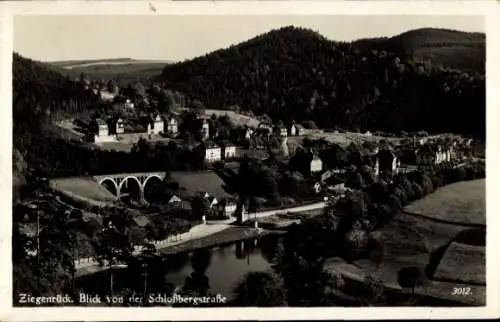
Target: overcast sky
51,38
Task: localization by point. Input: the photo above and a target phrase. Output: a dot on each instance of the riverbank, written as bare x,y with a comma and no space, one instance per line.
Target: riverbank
227,236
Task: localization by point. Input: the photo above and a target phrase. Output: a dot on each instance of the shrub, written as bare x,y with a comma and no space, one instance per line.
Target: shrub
411,277
310,125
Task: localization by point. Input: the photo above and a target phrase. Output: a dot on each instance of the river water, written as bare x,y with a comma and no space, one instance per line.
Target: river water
222,267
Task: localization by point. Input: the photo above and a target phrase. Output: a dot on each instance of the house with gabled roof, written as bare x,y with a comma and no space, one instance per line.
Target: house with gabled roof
281,131
228,149
156,124
213,152
227,207
102,131
172,125
248,131
203,127
120,126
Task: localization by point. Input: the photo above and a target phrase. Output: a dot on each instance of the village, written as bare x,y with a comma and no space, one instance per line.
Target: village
290,169
300,155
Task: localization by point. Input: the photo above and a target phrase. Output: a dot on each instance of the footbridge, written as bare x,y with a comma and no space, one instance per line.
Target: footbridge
121,180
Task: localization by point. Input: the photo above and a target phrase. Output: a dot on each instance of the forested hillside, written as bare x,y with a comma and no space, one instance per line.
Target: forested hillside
449,48
39,92
39,95
295,73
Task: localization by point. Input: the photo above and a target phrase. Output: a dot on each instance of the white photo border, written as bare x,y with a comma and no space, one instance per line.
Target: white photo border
489,9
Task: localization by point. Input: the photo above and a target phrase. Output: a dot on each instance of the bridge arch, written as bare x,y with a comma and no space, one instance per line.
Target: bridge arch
124,181
113,181
118,181
150,190
150,177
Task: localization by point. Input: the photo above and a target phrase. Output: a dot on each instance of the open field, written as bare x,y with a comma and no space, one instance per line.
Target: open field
238,119
415,241
431,293
462,202
463,264
124,70
342,139
85,188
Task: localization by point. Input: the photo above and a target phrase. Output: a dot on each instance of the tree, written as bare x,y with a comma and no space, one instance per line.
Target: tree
19,170
411,277
198,107
355,180
112,87
197,283
375,288
166,101
376,251
260,289
309,124
201,207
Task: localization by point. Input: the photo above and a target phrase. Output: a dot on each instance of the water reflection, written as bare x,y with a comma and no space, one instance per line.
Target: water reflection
204,271
198,282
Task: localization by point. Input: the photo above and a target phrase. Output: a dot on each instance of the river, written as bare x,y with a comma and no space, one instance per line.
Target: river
221,267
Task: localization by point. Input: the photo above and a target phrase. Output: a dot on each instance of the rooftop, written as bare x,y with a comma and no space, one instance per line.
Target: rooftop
211,145
226,143
191,183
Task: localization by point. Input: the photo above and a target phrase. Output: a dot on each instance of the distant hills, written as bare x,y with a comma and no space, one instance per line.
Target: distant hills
123,70
426,79
412,81
450,48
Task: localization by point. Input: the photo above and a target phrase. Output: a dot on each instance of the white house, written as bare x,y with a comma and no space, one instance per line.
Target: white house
205,129
120,126
107,96
172,126
248,133
103,133
281,131
442,155
227,207
174,199
228,149
299,130
212,201
128,104
156,126
102,127
293,129
316,164
213,152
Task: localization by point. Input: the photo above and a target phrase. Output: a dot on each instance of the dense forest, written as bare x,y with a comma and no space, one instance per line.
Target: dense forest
39,93
380,84
450,48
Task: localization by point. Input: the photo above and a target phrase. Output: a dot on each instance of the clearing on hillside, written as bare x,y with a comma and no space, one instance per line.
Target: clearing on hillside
236,118
84,189
462,203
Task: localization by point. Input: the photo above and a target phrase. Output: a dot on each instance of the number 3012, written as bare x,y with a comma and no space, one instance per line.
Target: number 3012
461,291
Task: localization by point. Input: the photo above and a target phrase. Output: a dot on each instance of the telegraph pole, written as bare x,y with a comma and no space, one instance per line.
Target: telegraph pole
38,236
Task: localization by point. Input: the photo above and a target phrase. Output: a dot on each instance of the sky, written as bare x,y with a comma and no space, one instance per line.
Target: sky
176,38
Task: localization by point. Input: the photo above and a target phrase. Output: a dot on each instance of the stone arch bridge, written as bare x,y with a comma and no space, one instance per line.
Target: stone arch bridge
120,180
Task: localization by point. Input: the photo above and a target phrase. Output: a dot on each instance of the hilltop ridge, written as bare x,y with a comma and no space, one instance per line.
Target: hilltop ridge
384,83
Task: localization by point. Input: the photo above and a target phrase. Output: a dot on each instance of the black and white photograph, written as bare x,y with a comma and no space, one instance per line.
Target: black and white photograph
247,160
